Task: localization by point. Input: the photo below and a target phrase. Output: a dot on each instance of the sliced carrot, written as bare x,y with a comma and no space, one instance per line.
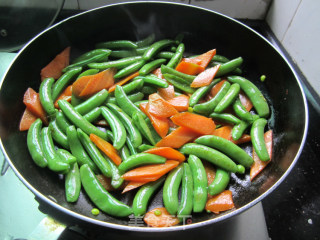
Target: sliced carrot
195,122
160,217
177,138
123,81
204,59
26,120
180,103
221,202
65,95
189,68
160,124
106,148
86,86
150,172
225,132
259,165
32,101
206,77
166,93
245,101
168,153
132,185
158,73
211,174
160,107
55,67
216,88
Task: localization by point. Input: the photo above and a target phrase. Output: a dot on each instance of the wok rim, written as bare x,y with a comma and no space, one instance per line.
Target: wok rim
173,228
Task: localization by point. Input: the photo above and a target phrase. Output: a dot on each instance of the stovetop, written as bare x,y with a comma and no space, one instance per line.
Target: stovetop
292,211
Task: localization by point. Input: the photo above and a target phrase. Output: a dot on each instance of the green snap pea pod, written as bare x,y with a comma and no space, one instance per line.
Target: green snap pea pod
149,67
201,92
200,183
155,81
259,102
173,48
34,144
128,53
124,153
85,62
227,147
73,183
46,97
228,99
130,69
117,44
240,128
220,182
118,129
132,130
139,120
88,72
229,66
156,47
140,159
220,58
100,196
241,111
148,90
146,41
143,196
132,149
188,78
143,147
93,115
63,81
171,190
132,97
174,61
121,63
110,135
57,135
237,71
209,106
55,163
257,138
133,86
95,154
116,179
77,149
174,80
153,132
91,54
62,122
225,117
66,156
75,100
125,103
164,54
211,155
92,102
186,203
137,104
78,120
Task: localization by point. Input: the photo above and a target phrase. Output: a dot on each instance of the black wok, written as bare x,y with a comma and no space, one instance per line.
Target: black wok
203,30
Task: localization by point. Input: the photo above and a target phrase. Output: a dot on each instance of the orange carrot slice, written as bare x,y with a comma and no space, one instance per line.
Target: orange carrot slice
160,217
132,185
206,77
65,95
166,93
211,174
225,132
123,81
189,68
168,153
180,103
32,101
26,120
55,67
216,88
158,73
221,202
245,101
259,165
160,107
177,138
204,59
195,122
106,148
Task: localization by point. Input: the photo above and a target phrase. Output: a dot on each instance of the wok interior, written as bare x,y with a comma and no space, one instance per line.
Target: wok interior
203,30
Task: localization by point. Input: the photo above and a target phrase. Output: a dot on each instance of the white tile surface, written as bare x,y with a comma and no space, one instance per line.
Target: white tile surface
245,9
280,14
302,40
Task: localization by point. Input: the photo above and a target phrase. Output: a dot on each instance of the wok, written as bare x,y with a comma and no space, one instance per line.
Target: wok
203,30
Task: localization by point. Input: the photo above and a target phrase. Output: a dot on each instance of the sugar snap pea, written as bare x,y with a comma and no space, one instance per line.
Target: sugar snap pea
94,101
225,117
241,111
174,80
176,58
156,47
93,115
228,98
116,179
188,78
201,92
121,63
57,135
239,129
143,147
130,69
124,53
91,54
165,54
229,66
186,203
132,148
135,85
220,182
148,90
117,44
62,122
149,67
73,183
46,97
140,121
66,156
88,72
146,41
134,97
124,153
257,137
155,81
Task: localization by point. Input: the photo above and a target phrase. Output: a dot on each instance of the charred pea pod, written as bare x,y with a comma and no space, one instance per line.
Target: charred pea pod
57,135
117,44
46,97
95,101
73,183
257,138
121,63
179,83
95,154
34,144
200,183
55,163
259,102
130,69
143,196
92,53
186,203
227,147
225,117
64,81
118,129
228,98
155,48
211,155
174,61
66,156
229,66
171,190
134,97
100,196
93,115
167,70
209,106
149,67
77,149
241,111
220,182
